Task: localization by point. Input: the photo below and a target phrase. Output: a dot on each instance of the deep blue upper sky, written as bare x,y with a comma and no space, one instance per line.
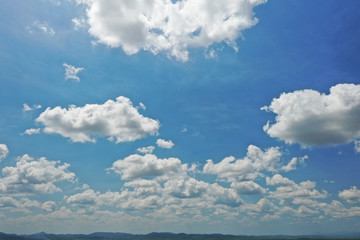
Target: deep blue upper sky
298,175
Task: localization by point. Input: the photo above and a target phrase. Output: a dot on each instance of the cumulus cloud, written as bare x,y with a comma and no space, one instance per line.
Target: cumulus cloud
137,166
288,189
31,176
148,149
351,195
49,206
32,131
247,168
311,118
248,188
4,151
167,26
42,27
292,165
278,180
119,120
71,72
164,144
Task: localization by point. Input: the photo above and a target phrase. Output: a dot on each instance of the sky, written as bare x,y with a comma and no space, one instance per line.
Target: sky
195,116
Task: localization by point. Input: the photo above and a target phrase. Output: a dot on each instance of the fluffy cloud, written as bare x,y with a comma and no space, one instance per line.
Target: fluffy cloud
71,72
164,144
278,180
32,131
118,120
4,151
247,168
287,189
164,25
351,195
311,118
248,188
31,176
186,187
49,206
137,166
148,149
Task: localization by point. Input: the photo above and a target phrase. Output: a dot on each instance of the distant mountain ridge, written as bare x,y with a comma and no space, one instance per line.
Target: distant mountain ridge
167,236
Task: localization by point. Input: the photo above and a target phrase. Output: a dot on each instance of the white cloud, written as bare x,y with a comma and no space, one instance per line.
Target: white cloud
294,163
357,146
137,166
4,151
288,189
148,149
247,168
278,180
79,23
32,131
351,195
164,144
71,72
264,205
27,108
42,27
161,25
310,118
186,187
248,188
49,206
118,120
31,176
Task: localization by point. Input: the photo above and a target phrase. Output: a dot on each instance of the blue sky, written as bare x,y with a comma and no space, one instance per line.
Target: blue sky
238,117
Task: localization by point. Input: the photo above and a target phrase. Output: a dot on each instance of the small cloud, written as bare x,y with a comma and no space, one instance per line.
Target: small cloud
146,150
31,131
27,108
184,130
71,72
329,181
4,151
39,27
79,23
165,144
142,106
357,146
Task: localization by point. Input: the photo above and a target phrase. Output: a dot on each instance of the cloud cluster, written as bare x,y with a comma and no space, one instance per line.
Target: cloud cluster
164,144
118,120
4,151
164,25
311,118
71,72
31,176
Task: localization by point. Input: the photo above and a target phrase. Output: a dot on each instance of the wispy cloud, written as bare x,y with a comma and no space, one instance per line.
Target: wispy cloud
72,71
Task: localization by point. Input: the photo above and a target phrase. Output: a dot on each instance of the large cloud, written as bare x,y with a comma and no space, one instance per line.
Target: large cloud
3,151
311,118
161,25
119,120
31,176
